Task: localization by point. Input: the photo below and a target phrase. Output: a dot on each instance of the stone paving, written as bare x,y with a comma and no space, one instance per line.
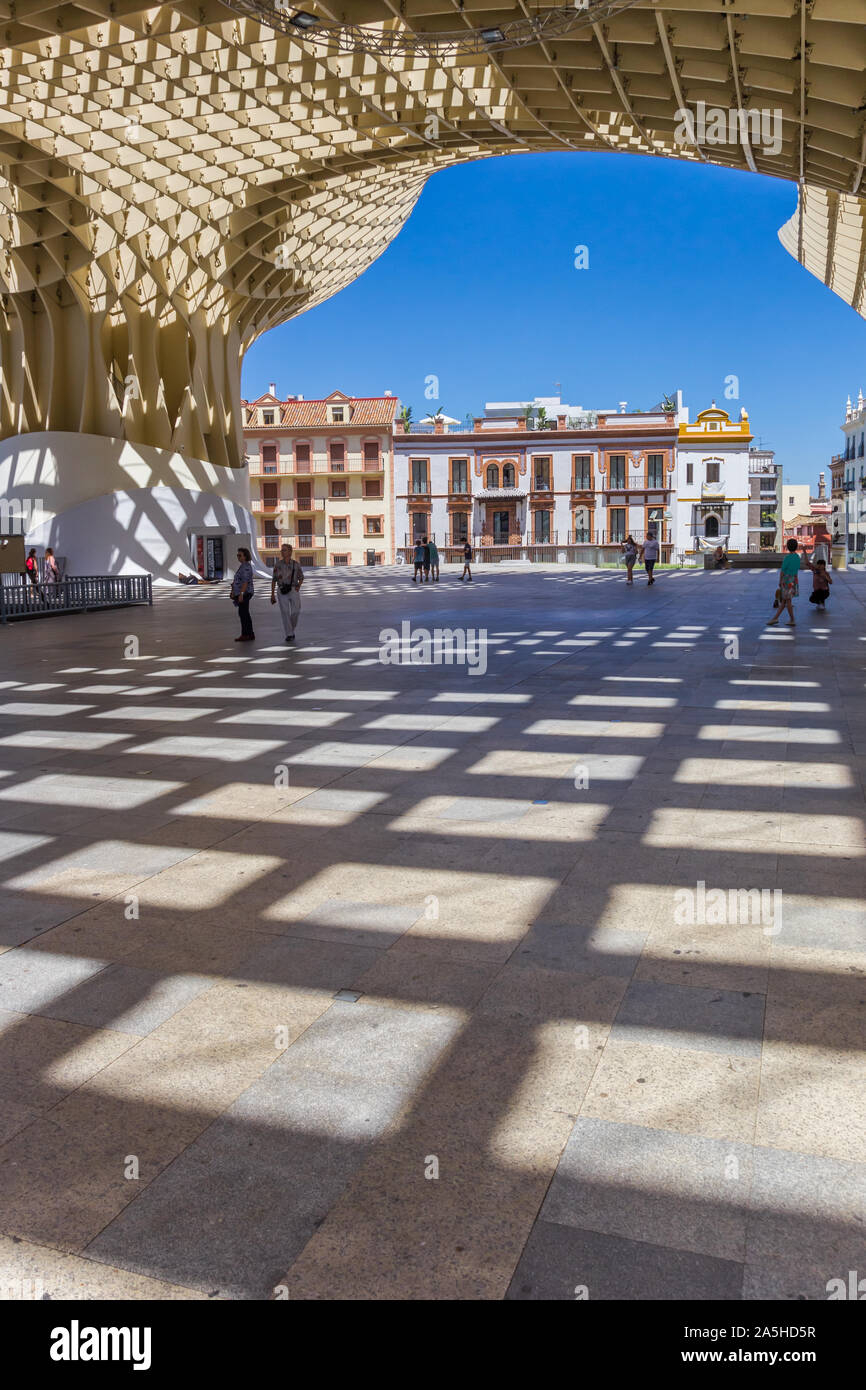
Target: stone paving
353,980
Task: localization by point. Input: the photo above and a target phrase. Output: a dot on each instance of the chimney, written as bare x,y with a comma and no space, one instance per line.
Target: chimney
821,487
560,422
272,388
622,406
387,393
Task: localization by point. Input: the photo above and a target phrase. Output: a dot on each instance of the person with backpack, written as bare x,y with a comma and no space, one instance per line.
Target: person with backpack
649,555
467,561
418,560
286,590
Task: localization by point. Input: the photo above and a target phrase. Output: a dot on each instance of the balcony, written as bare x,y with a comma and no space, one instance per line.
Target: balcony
311,504
307,541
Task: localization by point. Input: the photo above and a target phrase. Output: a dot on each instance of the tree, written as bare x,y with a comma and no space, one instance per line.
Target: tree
406,416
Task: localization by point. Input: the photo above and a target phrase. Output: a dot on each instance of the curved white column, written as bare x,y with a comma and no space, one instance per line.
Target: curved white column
110,507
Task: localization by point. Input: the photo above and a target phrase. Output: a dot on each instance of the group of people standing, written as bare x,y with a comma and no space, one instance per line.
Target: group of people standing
425,559
648,553
50,569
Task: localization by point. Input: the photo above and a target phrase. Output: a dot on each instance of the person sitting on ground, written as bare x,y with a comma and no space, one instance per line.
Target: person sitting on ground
187,579
821,582
720,557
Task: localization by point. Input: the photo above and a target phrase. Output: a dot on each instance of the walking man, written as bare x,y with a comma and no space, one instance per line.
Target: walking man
434,561
467,560
286,590
649,555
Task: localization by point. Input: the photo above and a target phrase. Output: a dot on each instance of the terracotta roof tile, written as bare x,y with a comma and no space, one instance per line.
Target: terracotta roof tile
365,410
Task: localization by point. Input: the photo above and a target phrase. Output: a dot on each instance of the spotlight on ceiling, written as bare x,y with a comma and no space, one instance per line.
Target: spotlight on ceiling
492,35
303,20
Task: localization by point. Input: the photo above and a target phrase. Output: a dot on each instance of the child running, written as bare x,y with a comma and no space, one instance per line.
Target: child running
788,586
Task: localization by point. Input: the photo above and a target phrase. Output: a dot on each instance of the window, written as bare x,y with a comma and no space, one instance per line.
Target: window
655,470
307,560
418,475
339,526
270,495
508,475
582,524
269,458
337,455
617,471
790,502
371,455
372,487
712,472
302,458
712,424
491,477
617,523
711,527
267,417
582,472
339,488
339,559
420,525
459,528
337,414
373,525
459,475
541,474
690,472
542,528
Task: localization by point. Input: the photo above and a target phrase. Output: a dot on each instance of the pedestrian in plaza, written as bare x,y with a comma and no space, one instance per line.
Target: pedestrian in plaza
31,568
649,555
629,550
821,582
789,588
418,559
243,589
434,561
286,590
52,569
426,544
467,561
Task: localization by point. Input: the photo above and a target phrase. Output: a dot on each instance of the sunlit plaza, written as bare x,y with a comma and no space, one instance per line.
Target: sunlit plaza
535,975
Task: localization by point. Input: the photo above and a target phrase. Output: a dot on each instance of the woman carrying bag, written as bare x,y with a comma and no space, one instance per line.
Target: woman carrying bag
285,589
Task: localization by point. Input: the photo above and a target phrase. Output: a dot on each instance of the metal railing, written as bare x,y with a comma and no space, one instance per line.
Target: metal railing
78,594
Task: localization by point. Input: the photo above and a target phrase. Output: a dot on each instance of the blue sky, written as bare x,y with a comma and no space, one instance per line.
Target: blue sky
687,284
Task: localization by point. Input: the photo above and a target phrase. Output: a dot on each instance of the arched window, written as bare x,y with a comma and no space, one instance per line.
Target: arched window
508,475
492,476
711,527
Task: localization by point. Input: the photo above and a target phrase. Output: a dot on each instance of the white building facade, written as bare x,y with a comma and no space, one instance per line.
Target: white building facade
712,484
574,489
